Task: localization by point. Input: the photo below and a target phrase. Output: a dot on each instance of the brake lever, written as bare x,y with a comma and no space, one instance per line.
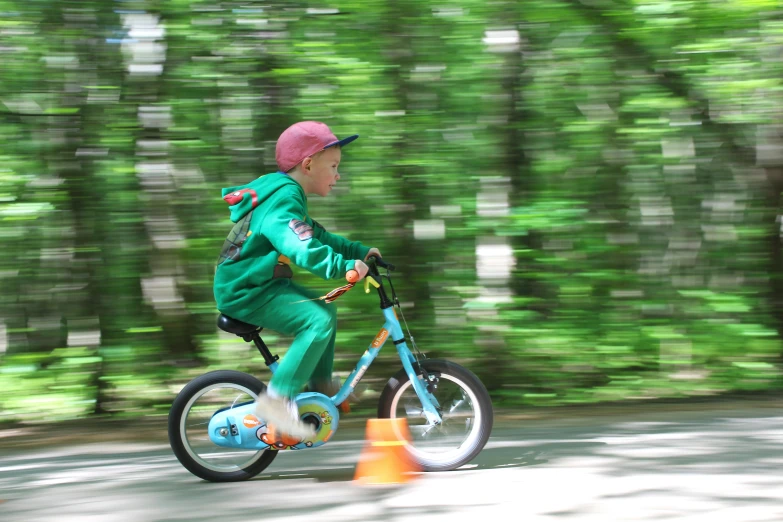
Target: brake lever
369,279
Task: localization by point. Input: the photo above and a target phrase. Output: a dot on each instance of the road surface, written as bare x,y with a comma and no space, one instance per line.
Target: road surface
687,466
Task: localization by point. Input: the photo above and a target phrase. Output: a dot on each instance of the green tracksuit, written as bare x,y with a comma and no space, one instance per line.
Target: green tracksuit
252,279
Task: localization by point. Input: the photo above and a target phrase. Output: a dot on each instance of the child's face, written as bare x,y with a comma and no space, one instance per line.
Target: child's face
323,171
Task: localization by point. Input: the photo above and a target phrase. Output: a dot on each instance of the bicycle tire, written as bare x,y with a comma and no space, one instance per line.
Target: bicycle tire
475,391
178,416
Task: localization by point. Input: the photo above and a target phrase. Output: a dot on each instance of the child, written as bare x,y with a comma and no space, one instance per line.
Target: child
253,277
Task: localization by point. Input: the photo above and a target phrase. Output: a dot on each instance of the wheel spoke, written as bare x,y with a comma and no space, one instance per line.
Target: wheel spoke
194,435
412,410
450,443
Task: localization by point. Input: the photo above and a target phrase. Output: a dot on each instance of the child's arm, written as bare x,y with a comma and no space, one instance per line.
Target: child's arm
284,225
350,249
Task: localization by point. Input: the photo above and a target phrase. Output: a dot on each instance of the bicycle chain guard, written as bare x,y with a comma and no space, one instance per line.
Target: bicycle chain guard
238,427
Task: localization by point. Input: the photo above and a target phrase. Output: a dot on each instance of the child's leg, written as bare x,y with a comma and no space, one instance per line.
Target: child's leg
313,325
322,374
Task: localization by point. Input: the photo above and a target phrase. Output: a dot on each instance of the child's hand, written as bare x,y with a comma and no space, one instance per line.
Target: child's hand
373,252
358,272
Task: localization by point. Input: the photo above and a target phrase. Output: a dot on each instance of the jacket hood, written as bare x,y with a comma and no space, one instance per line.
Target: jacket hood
244,198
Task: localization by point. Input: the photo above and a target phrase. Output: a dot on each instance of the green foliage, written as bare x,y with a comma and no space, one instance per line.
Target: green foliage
582,198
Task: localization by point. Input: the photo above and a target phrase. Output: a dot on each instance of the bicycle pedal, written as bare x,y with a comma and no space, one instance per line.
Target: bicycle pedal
345,407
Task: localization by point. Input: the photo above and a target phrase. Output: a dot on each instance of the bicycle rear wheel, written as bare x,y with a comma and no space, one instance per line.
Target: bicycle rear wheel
189,417
463,403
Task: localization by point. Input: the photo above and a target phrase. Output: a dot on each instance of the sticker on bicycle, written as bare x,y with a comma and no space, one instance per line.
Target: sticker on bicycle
382,335
358,377
251,421
276,439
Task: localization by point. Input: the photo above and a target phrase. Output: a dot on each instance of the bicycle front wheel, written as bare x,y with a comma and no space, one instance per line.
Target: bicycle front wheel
463,403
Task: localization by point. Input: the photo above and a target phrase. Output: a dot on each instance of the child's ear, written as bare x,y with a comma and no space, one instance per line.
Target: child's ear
306,164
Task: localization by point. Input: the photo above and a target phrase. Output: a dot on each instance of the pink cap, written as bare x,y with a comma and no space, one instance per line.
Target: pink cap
304,139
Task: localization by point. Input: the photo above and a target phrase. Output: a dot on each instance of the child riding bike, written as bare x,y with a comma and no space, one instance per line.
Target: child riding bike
253,276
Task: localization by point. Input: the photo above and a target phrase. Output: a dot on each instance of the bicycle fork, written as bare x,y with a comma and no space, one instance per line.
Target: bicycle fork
392,329
428,401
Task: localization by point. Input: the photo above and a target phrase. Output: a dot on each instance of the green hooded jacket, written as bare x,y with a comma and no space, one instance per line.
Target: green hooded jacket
272,230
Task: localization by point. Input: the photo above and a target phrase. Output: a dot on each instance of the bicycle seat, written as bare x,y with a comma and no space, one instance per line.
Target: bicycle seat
235,326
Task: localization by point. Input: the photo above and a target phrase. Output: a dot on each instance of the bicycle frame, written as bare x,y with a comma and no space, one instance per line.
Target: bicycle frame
236,426
393,329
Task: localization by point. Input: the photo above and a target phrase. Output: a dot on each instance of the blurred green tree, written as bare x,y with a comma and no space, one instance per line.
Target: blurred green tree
582,198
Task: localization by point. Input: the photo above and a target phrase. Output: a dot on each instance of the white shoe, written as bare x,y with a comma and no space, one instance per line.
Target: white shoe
283,414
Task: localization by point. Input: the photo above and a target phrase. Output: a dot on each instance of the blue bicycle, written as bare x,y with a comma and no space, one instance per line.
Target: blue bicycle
215,434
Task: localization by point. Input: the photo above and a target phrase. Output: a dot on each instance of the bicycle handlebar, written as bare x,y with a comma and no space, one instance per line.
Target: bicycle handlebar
373,262
377,261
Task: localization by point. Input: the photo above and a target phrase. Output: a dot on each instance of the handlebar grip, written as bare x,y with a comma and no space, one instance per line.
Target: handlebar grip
380,262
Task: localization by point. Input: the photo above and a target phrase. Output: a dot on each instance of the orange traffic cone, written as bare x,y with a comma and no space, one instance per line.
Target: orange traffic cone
385,458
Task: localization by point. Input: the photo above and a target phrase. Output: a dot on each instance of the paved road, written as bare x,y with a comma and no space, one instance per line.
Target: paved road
684,466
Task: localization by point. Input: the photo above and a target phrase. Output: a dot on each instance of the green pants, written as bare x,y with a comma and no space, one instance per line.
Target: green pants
313,324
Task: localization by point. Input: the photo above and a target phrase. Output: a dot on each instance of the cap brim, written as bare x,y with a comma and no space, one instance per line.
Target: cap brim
343,142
